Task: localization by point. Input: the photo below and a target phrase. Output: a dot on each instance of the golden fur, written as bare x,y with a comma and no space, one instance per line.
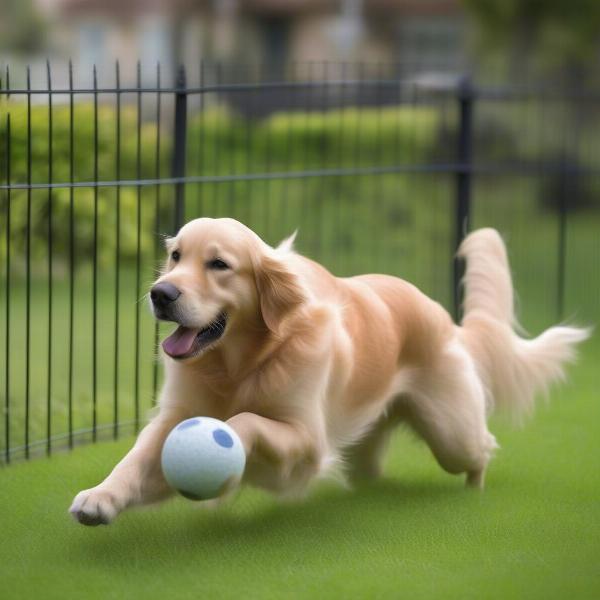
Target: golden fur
314,371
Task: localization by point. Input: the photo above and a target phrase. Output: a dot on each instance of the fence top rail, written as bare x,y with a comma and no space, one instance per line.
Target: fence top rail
456,87
204,89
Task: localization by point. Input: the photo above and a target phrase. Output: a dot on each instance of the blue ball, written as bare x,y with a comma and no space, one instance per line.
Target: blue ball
201,457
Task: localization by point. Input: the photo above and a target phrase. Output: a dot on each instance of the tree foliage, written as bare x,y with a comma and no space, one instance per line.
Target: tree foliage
22,28
570,29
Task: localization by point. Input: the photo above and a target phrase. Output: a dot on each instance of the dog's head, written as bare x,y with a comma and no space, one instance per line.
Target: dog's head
219,277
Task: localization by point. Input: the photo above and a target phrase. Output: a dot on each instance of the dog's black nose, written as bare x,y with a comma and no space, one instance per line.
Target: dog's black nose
163,294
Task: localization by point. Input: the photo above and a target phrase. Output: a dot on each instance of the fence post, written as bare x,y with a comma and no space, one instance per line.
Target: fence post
179,145
465,97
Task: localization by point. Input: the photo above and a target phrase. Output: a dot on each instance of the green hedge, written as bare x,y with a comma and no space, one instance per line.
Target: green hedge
219,143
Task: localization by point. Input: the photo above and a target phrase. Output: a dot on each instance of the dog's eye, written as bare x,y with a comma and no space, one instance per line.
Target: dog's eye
175,255
217,264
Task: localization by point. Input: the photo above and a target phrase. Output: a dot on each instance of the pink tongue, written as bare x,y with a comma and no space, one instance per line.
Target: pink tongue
180,342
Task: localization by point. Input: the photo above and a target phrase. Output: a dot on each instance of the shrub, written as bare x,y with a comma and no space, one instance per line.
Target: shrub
219,143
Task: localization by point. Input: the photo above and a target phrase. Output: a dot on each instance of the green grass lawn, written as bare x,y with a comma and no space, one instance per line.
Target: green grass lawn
417,533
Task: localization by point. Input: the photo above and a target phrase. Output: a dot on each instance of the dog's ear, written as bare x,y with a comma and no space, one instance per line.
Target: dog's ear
279,291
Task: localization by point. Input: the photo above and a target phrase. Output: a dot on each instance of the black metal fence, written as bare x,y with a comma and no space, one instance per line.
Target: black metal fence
378,172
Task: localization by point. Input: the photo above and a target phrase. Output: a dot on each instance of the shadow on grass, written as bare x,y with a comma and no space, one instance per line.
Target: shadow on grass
324,518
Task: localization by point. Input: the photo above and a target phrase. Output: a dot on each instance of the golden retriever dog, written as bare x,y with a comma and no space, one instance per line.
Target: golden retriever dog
314,372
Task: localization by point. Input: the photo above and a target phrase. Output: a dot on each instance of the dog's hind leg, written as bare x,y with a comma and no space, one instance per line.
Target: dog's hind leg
364,458
448,410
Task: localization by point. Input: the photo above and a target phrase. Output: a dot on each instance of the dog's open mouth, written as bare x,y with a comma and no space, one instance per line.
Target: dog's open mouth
185,342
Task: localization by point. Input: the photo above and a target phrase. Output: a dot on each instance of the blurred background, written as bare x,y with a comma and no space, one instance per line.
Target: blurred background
381,129
506,40
270,32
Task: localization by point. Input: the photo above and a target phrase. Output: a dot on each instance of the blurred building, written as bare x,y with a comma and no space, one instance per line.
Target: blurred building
274,33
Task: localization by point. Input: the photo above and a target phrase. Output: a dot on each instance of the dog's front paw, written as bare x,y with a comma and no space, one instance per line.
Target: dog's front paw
95,507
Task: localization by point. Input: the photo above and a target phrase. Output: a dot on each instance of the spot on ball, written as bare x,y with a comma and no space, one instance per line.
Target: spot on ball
223,438
188,423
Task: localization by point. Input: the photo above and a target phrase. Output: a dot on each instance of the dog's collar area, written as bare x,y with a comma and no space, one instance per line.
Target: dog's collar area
186,342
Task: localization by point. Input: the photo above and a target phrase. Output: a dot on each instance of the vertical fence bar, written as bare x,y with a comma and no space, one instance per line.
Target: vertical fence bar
287,157
412,182
338,183
230,141
138,250
251,144
95,272
28,267
562,237
156,227
7,308
379,256
71,256
303,153
465,97
179,146
305,158
249,128
357,159
201,169
216,149
268,167
117,253
50,267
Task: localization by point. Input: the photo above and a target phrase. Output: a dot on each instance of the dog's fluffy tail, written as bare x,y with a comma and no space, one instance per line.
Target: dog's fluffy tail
513,369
